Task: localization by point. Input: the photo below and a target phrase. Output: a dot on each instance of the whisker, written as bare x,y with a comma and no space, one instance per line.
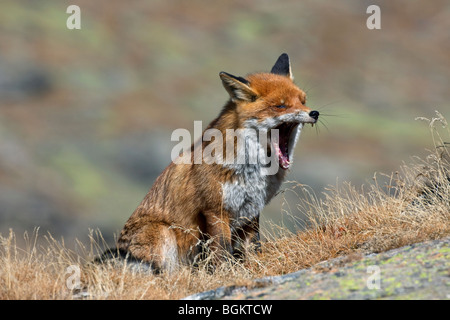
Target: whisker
329,104
323,123
323,120
334,115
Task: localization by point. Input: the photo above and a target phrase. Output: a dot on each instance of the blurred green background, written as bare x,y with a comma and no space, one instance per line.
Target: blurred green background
86,115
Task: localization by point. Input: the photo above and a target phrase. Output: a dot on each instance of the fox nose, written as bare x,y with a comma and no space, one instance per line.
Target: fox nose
314,114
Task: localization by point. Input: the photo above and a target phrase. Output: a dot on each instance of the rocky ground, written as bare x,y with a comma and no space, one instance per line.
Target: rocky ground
418,271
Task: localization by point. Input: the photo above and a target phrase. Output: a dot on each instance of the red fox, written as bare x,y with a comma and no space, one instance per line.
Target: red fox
219,204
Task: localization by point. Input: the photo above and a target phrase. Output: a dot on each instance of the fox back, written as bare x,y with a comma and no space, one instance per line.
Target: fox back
216,202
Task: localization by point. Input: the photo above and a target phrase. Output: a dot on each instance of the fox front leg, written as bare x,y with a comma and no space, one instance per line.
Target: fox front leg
218,231
246,238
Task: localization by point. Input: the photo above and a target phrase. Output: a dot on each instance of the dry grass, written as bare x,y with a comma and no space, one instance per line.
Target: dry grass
409,206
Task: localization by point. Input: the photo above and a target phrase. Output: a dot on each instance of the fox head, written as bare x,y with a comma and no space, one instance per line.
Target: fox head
265,101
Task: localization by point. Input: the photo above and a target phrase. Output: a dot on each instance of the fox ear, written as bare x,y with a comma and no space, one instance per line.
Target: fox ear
237,87
283,66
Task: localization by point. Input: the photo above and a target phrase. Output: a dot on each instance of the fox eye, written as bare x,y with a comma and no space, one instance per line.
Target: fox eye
281,106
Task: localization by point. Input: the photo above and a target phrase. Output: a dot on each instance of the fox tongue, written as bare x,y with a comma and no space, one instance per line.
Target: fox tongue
283,156
284,161
282,145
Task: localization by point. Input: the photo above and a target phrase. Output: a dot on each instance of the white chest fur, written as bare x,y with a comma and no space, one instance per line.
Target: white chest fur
252,188
246,196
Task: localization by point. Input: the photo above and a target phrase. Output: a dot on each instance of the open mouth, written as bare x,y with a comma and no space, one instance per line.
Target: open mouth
286,136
